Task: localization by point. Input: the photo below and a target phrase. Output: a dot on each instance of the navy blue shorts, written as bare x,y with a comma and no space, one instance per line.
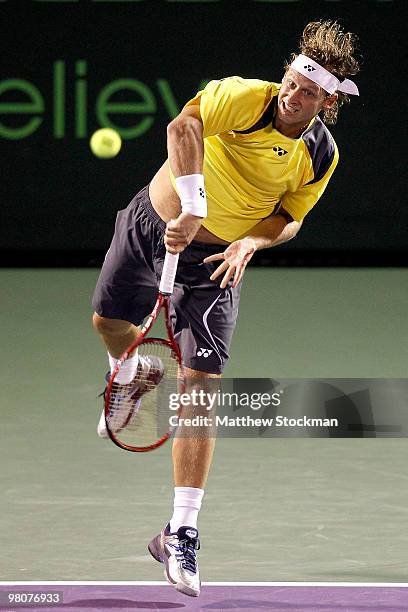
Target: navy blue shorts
202,314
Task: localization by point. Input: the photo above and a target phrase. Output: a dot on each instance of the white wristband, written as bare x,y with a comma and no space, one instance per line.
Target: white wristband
191,191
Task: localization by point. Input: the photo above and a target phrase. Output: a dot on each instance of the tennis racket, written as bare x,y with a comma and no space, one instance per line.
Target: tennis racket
137,414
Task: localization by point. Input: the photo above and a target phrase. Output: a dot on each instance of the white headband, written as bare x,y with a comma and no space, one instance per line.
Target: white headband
316,73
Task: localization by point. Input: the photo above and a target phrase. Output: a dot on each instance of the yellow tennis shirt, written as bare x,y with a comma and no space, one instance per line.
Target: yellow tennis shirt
250,167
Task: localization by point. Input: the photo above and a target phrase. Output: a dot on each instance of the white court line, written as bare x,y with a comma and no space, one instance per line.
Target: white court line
163,583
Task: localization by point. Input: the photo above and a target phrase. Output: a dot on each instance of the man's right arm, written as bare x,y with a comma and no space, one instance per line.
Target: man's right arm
185,144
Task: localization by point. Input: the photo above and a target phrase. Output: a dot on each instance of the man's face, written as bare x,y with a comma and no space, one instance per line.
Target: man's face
299,100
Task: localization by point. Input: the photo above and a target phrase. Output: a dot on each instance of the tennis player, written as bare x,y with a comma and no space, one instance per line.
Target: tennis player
247,160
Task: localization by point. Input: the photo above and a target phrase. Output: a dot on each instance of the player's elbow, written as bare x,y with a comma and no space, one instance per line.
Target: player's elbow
294,228
185,127
290,227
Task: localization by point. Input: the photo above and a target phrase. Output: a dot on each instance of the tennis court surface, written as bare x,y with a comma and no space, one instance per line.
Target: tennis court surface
316,512
289,597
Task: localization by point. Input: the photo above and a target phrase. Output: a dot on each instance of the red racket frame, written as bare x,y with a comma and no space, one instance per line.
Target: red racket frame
162,302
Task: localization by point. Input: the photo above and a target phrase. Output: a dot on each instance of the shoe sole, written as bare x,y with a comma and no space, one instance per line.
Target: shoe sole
155,549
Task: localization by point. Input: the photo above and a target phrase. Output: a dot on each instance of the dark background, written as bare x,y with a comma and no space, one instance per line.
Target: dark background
58,201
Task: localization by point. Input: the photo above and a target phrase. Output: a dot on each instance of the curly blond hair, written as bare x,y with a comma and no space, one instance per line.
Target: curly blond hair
326,43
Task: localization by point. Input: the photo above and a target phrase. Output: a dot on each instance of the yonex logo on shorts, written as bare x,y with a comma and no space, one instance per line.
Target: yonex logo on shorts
279,151
309,68
203,352
201,191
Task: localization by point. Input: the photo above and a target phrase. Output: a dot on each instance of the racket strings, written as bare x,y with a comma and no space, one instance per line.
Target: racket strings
137,413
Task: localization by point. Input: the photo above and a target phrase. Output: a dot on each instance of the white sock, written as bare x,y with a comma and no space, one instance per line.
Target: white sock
187,504
128,369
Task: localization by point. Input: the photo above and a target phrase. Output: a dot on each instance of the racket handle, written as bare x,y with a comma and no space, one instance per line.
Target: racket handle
169,273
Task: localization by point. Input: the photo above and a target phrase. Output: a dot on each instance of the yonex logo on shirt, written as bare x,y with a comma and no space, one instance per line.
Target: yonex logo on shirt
201,192
279,151
203,352
309,68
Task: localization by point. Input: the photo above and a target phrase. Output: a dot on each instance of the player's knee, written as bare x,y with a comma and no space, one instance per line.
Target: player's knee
110,327
202,387
196,381
191,374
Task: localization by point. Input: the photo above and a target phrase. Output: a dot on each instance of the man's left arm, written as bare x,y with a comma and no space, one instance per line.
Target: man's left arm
275,229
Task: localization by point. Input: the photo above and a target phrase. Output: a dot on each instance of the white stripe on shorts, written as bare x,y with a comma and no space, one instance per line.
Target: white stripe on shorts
205,317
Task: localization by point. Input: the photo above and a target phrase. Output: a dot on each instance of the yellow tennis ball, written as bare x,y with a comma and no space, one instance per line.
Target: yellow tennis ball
105,143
